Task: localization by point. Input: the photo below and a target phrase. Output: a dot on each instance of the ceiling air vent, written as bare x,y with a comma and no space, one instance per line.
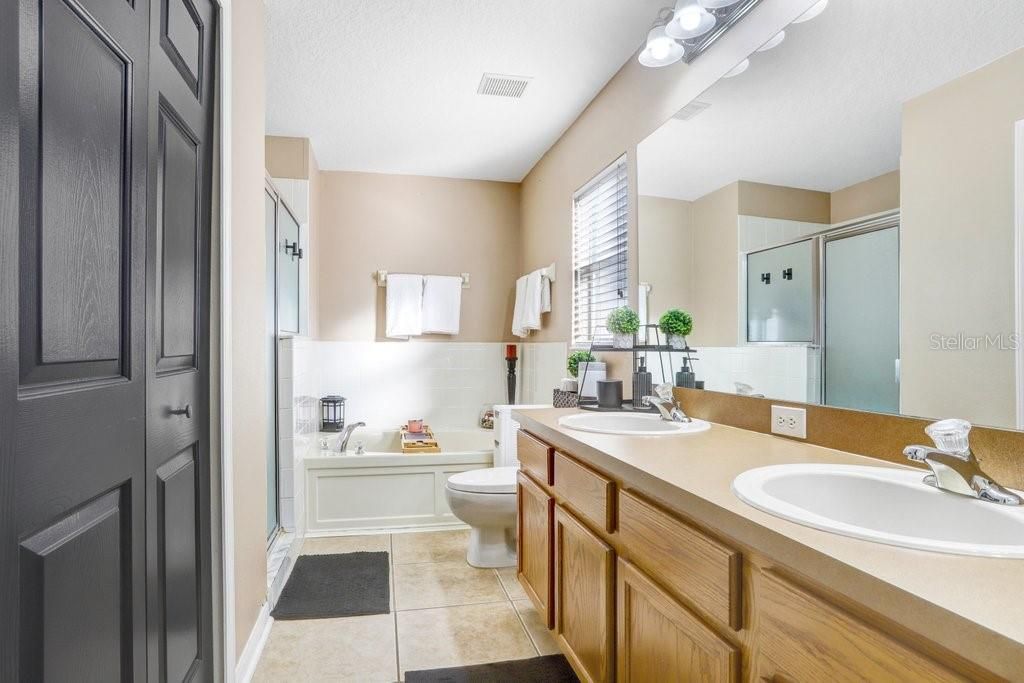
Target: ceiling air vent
503,85
691,110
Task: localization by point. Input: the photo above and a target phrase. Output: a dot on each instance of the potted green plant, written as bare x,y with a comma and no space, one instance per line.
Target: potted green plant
623,323
676,325
577,357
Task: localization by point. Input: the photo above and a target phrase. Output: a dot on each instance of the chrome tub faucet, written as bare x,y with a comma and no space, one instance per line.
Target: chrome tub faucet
346,434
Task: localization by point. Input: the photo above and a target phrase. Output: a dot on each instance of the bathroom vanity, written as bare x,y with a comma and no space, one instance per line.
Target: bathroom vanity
647,567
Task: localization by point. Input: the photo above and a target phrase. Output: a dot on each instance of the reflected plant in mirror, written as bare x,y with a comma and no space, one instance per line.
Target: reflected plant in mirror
846,200
676,325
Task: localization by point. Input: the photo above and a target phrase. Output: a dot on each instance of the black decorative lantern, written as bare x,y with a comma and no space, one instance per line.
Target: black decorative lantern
332,413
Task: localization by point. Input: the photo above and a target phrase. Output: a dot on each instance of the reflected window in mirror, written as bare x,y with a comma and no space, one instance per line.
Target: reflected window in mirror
600,228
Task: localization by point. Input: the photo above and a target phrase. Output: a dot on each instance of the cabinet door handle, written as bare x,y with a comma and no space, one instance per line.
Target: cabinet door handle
186,411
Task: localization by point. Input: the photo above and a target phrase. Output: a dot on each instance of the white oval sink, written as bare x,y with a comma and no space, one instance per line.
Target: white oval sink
885,505
630,424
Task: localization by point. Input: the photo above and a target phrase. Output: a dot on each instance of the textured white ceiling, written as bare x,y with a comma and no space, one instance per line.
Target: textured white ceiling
822,110
389,86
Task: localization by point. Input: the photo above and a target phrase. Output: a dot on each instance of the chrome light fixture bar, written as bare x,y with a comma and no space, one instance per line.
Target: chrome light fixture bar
695,25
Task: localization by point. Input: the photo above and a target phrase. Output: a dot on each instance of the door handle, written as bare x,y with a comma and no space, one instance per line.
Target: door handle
186,411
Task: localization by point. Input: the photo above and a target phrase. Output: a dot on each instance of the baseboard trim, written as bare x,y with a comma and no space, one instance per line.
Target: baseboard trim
246,666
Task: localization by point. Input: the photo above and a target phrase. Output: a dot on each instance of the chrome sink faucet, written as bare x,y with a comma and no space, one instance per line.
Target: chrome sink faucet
346,434
954,467
666,404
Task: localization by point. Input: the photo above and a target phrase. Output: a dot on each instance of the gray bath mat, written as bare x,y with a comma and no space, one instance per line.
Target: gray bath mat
546,669
345,585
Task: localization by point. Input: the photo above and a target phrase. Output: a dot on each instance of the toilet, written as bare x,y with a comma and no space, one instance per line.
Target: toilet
485,499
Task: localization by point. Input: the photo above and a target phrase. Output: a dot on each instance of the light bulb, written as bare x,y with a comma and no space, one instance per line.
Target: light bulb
814,11
660,49
689,17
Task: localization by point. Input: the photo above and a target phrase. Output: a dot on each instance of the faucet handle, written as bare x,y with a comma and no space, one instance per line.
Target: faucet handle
664,391
952,435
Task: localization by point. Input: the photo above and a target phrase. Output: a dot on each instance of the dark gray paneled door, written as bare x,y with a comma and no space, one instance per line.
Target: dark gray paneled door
105,174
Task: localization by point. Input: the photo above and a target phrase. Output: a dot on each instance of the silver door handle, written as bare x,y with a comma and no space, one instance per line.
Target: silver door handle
186,411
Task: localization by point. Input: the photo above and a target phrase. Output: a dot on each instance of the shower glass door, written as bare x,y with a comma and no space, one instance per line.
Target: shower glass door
861,289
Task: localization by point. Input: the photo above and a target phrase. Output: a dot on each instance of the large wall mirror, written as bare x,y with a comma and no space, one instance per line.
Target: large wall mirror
843,218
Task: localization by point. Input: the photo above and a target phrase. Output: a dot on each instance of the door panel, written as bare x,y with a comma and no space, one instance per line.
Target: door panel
72,353
179,610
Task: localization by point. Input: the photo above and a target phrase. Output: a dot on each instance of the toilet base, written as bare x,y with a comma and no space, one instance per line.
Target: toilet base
491,547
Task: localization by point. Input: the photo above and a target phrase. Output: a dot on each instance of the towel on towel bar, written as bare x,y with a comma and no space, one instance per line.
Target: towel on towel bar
533,297
442,304
404,305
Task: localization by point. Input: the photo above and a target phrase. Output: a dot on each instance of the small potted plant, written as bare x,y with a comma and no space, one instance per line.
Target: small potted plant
577,357
676,325
623,323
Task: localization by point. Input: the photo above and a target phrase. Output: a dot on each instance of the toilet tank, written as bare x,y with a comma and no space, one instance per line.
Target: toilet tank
505,429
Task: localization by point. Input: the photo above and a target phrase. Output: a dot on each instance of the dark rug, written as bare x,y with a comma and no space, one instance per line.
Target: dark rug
345,585
547,669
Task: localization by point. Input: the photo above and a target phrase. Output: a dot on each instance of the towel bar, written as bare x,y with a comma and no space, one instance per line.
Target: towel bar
382,279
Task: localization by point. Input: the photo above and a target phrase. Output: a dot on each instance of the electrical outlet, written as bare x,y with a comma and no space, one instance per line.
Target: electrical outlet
789,421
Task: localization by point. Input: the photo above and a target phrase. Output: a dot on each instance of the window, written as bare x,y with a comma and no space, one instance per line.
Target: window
600,218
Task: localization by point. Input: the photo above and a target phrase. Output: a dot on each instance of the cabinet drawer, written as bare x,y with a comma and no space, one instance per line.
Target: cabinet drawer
803,638
687,561
590,494
535,457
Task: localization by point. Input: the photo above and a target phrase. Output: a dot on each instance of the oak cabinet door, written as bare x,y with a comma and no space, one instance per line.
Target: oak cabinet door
584,598
660,640
535,512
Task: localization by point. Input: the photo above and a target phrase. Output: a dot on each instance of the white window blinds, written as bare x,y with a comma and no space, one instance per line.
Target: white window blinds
600,218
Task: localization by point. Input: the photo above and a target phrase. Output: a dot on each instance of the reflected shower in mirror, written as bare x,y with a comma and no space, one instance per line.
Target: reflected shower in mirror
842,218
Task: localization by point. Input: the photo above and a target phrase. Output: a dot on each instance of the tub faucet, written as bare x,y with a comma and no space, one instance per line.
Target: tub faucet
346,434
954,467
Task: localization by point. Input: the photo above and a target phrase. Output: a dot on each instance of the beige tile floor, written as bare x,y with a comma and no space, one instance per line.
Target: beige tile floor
444,613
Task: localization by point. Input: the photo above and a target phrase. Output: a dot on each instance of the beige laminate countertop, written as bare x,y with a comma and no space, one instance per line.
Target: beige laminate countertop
972,606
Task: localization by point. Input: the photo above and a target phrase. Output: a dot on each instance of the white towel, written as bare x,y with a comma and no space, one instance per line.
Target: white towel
442,304
545,295
533,303
404,305
517,313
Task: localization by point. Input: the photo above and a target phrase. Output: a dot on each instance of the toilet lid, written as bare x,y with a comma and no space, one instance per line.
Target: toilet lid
489,480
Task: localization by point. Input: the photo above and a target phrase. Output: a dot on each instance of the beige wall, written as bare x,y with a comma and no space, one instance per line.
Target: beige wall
715,267
634,103
248,329
866,198
315,231
288,157
957,249
416,224
786,203
665,253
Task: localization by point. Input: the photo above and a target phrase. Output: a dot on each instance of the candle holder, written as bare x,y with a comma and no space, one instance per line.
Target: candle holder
511,359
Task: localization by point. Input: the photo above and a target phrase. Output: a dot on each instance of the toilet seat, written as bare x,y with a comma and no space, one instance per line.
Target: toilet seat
488,480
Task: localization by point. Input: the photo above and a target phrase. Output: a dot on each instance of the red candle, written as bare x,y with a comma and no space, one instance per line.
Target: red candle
511,352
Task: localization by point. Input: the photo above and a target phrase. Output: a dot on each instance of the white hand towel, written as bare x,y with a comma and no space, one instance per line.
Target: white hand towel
517,313
545,295
533,301
404,305
442,304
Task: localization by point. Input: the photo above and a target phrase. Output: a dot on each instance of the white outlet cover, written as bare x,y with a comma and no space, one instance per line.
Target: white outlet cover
788,421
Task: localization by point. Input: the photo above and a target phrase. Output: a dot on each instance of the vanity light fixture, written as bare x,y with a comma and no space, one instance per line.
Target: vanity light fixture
814,11
773,42
737,70
694,26
689,20
661,50
717,4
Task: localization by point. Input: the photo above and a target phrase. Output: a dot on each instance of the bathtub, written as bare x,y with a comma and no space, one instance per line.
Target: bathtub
385,489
